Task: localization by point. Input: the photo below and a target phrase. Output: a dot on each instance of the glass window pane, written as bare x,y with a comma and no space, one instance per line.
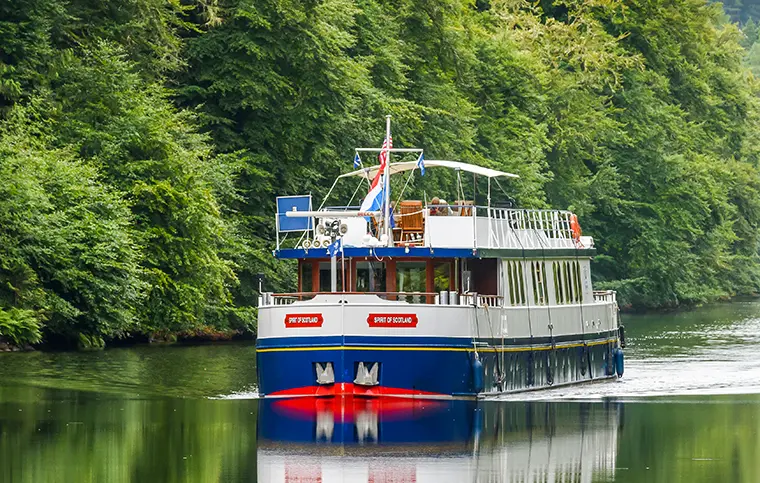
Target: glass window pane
324,277
411,277
370,276
545,289
511,281
441,276
306,277
568,283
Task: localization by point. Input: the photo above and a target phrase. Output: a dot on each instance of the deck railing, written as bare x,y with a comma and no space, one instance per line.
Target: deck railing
483,227
468,226
605,296
513,228
433,298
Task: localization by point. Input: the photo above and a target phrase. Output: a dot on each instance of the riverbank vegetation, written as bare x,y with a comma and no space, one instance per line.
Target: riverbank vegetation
144,141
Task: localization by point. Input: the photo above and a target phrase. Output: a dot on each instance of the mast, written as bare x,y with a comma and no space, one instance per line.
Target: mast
387,184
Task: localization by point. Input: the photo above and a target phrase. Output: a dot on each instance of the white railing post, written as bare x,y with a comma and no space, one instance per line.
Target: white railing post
475,226
491,235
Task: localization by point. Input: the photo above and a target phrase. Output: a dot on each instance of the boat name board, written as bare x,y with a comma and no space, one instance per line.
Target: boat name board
303,320
392,320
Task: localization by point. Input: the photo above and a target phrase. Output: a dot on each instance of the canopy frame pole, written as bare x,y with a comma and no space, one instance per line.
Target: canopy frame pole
392,150
324,200
387,182
490,222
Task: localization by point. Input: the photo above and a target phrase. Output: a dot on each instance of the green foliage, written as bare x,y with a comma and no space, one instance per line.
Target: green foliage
123,231
750,34
149,150
20,326
68,252
144,141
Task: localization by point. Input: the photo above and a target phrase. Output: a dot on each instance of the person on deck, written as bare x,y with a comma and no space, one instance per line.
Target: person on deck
439,207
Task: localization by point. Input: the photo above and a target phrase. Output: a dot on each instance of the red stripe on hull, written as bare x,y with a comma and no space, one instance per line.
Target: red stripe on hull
346,408
343,389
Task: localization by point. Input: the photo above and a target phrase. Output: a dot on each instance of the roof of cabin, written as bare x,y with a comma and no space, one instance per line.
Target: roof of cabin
431,163
425,252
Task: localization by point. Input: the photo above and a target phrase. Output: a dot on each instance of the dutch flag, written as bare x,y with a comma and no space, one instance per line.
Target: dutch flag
374,199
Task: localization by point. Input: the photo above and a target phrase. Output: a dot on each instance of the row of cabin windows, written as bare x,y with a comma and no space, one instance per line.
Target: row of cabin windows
567,282
371,277
516,283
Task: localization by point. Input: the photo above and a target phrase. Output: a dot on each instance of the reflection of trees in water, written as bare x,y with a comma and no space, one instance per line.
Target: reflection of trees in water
57,435
53,436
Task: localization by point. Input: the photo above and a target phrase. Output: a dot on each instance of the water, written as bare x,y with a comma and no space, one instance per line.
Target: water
688,409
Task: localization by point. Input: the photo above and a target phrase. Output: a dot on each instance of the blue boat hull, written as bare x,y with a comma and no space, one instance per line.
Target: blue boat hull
427,367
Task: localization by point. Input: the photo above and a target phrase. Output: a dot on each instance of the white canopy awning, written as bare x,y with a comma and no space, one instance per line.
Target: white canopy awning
431,163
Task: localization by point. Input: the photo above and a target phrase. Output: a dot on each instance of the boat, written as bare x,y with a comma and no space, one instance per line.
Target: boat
430,299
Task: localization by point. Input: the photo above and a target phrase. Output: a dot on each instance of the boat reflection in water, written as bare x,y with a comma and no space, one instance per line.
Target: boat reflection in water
371,440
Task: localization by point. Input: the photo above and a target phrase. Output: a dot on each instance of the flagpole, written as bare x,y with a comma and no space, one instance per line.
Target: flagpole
387,182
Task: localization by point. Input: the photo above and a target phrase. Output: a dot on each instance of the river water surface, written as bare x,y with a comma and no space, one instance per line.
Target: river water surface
688,409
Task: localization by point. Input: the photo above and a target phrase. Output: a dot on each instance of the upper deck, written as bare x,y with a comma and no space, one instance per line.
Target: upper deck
457,228
420,228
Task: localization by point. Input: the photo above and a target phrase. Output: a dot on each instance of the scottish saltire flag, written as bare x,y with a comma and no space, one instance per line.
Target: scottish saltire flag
357,161
336,247
383,158
421,164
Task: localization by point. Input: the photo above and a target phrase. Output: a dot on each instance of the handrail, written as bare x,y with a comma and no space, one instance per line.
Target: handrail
308,294
605,296
429,298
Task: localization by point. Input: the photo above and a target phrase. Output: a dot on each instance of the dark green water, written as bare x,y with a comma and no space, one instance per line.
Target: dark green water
687,410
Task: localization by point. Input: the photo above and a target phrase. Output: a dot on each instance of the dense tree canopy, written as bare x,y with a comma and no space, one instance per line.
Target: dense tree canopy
144,141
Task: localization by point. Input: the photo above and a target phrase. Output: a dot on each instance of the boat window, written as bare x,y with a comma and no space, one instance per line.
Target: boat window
521,282
411,277
566,287
539,283
578,286
306,277
441,276
324,277
370,276
511,288
568,283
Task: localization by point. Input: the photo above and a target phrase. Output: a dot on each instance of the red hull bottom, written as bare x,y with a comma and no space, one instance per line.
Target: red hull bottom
344,389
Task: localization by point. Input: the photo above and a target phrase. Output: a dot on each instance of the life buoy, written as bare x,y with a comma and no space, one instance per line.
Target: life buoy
575,227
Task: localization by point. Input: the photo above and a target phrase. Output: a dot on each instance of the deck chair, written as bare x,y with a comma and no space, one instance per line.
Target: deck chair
411,221
464,207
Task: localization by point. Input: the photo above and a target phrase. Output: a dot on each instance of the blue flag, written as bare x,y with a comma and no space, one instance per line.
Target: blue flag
335,247
357,161
421,164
